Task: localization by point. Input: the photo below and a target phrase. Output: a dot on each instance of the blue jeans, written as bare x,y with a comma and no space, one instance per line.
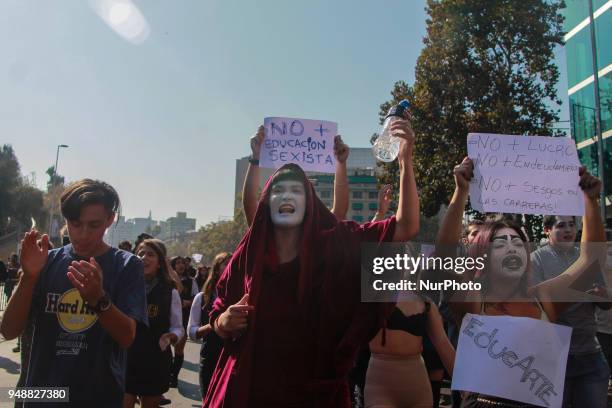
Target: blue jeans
586,381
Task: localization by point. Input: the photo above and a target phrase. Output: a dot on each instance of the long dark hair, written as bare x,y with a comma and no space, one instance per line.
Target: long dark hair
173,262
213,276
162,272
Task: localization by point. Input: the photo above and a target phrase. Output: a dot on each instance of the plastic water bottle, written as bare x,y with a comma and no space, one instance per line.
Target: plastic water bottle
386,147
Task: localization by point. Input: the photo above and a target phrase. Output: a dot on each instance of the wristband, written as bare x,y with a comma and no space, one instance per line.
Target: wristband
253,161
104,303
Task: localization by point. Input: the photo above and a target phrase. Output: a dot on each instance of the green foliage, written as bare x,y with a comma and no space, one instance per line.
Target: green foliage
9,181
29,206
54,179
534,227
20,203
222,236
177,248
487,66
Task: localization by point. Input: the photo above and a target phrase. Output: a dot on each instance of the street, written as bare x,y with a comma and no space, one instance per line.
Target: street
187,395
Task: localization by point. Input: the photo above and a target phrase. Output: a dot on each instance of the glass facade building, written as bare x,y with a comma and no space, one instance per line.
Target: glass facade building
581,82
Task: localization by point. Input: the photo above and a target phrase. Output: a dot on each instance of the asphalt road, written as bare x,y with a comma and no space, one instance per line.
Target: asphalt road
187,395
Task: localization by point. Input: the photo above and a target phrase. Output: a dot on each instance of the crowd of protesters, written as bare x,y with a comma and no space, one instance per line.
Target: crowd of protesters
280,318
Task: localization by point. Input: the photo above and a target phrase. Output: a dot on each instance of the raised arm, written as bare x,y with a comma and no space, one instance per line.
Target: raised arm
33,259
435,332
592,225
592,249
341,190
450,230
250,189
407,215
384,201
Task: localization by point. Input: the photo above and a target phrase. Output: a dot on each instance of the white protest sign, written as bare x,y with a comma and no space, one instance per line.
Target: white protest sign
517,358
197,257
525,174
305,142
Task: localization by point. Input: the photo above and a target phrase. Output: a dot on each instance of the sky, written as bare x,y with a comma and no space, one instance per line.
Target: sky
162,116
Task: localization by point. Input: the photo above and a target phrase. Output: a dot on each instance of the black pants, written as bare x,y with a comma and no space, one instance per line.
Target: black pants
207,368
209,355
605,340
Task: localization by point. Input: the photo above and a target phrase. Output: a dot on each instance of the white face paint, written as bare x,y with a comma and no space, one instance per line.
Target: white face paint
508,255
287,204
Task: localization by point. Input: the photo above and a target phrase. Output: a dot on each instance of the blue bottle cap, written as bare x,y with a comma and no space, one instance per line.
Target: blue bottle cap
398,110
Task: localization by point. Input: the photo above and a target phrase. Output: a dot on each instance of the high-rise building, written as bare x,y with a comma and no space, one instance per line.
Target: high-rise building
176,226
121,230
129,230
363,192
143,224
580,78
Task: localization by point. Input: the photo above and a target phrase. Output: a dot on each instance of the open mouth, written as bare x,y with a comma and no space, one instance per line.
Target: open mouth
286,209
512,262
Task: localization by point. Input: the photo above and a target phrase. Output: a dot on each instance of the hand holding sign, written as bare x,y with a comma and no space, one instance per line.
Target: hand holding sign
256,142
518,358
464,172
590,185
341,149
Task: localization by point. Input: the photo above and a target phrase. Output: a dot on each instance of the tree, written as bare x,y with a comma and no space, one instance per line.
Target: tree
29,207
487,66
54,179
20,203
222,236
177,248
10,179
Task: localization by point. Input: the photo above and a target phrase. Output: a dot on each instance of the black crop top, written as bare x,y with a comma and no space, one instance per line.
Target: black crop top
415,324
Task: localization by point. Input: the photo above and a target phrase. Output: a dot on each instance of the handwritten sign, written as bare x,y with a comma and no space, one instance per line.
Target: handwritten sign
305,142
517,358
525,174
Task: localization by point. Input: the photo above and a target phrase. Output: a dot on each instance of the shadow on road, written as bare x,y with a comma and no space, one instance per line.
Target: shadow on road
191,366
10,366
189,390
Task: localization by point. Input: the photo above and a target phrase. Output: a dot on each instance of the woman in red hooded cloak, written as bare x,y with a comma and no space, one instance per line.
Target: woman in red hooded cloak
289,305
